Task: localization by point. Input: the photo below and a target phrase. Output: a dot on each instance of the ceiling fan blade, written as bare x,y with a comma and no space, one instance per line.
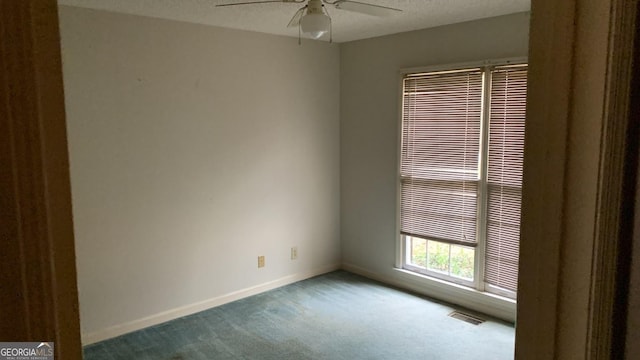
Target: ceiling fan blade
253,2
295,20
364,8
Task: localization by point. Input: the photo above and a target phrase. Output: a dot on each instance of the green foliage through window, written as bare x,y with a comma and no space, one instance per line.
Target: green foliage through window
441,257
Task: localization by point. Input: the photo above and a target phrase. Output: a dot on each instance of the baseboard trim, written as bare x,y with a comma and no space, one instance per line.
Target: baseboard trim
121,329
496,306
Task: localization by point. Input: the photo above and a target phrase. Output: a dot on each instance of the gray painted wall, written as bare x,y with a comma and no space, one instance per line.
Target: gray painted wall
369,125
193,150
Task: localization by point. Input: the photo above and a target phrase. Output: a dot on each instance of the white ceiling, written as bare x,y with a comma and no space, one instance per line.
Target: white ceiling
272,18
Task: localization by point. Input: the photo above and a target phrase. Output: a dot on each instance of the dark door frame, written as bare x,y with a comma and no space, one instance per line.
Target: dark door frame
574,258
38,296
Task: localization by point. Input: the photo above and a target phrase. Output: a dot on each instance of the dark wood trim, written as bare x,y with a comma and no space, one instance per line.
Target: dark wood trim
39,294
614,221
579,164
629,291
551,54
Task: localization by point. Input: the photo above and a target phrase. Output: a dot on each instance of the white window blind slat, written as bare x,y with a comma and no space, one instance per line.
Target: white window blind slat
504,180
440,155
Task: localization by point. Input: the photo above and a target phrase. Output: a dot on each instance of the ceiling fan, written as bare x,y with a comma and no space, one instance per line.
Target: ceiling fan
313,18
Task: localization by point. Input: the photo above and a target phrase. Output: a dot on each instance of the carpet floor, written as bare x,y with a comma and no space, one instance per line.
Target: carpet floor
334,316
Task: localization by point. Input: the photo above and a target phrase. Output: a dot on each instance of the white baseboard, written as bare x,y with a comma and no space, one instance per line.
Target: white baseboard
121,329
474,300
496,306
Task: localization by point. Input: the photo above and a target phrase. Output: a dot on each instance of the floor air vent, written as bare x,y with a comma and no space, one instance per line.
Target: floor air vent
466,317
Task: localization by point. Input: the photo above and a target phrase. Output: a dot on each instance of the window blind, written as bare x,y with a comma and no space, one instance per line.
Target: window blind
441,118
504,178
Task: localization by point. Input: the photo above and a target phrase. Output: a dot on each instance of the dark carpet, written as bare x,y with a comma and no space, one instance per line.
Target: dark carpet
334,316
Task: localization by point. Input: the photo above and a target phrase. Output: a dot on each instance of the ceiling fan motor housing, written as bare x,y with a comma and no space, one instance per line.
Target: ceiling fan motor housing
314,7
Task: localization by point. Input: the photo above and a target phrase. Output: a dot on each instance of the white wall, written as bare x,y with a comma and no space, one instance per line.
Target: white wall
369,134
193,150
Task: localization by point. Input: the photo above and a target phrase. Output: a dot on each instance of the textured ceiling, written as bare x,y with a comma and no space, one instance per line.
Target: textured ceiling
272,18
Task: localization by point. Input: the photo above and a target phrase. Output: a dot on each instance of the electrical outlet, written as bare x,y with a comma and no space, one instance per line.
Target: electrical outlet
294,253
260,261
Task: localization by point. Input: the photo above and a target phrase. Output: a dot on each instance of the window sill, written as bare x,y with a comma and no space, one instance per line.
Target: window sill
487,303
493,305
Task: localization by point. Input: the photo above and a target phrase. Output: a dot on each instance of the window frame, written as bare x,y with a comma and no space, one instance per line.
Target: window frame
434,273
401,240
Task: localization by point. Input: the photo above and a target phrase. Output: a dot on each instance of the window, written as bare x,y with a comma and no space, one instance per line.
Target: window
461,175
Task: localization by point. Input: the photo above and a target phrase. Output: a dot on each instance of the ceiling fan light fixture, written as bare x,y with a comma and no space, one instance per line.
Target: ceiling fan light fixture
315,24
